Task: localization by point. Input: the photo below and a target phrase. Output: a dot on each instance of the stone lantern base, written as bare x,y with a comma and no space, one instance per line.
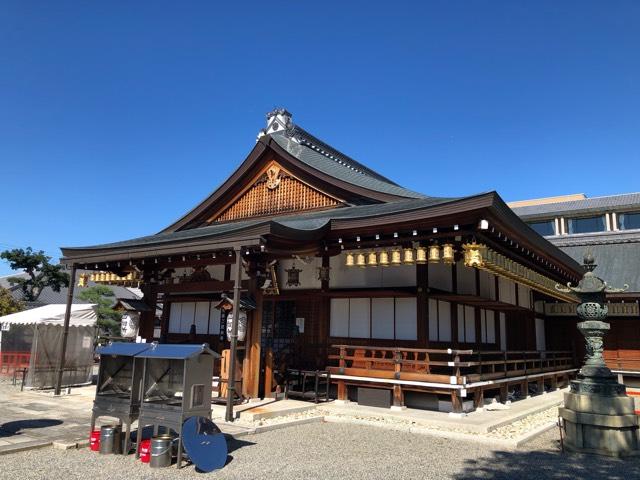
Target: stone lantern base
600,418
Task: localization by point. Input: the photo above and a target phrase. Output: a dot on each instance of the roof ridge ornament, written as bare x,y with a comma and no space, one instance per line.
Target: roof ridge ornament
278,121
590,285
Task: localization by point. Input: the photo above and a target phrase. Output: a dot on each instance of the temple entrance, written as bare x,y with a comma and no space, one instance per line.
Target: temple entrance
279,335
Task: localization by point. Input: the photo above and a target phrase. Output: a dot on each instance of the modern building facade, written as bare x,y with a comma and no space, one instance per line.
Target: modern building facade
608,227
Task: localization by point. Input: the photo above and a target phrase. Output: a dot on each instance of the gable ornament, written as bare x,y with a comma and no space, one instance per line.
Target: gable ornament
273,177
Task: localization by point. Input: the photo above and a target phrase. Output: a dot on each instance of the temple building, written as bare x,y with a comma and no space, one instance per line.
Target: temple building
608,227
404,299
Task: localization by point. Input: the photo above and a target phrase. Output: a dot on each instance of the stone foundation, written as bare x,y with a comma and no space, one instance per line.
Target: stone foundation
602,425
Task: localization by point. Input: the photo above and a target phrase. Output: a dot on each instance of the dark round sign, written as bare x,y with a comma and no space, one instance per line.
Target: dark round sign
205,443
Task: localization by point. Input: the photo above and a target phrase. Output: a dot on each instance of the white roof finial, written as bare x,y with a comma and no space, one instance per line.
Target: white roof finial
278,120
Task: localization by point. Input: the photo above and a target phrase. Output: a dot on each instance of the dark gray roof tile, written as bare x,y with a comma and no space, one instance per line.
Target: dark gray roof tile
333,163
595,205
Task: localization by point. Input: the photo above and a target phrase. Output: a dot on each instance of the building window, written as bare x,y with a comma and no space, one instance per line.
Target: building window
375,318
545,228
587,224
629,221
487,326
439,320
466,324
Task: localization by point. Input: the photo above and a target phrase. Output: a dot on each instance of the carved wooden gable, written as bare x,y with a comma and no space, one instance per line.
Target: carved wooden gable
274,191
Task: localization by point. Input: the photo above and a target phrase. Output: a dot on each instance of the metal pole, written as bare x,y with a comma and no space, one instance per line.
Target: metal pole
231,381
65,331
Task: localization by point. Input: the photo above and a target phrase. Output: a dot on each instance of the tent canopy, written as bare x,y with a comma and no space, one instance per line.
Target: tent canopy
81,315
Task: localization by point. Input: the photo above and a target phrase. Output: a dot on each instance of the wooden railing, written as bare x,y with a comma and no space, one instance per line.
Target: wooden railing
449,366
626,361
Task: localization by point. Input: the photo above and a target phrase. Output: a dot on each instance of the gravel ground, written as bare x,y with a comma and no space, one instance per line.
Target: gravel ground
332,451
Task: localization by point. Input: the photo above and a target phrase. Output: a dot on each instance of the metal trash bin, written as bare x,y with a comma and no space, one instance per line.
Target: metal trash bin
161,451
110,439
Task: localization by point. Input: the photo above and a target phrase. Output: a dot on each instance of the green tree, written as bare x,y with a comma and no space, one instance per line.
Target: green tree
41,273
8,304
103,298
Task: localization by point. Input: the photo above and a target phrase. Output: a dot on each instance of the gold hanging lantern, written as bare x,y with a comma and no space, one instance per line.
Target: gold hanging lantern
396,257
82,280
350,260
372,259
383,261
473,255
434,254
421,255
360,260
448,254
408,256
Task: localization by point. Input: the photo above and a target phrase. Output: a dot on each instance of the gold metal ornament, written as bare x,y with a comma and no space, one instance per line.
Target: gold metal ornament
408,256
372,259
434,254
396,257
421,255
360,260
473,254
350,260
448,254
383,259
82,280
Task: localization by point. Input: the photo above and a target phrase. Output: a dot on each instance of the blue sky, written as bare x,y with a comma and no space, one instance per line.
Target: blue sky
117,117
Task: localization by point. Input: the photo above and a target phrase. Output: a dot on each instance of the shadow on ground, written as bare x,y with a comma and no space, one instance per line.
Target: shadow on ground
16,427
538,465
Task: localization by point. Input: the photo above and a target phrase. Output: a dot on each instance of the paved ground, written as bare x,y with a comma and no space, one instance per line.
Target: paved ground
324,450
35,419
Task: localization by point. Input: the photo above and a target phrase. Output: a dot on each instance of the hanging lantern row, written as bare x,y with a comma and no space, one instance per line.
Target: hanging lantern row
106,277
483,258
401,256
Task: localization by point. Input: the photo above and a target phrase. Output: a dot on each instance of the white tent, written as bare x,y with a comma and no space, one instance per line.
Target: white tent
82,315
32,339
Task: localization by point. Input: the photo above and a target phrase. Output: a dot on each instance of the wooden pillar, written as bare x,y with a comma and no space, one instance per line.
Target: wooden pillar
234,333
422,282
456,401
478,398
342,363
342,390
251,382
65,332
398,396
268,373
504,392
540,383
147,319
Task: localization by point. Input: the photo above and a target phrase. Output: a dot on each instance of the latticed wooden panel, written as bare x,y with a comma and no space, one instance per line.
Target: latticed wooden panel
263,199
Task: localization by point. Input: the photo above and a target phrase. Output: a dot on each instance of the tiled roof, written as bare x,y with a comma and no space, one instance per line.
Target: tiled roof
306,221
618,263
317,154
594,204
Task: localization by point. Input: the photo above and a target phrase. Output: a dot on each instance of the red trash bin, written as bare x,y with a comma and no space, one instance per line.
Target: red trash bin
94,440
145,451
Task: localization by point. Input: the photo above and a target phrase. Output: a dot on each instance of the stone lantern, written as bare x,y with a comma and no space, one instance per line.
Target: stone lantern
598,415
